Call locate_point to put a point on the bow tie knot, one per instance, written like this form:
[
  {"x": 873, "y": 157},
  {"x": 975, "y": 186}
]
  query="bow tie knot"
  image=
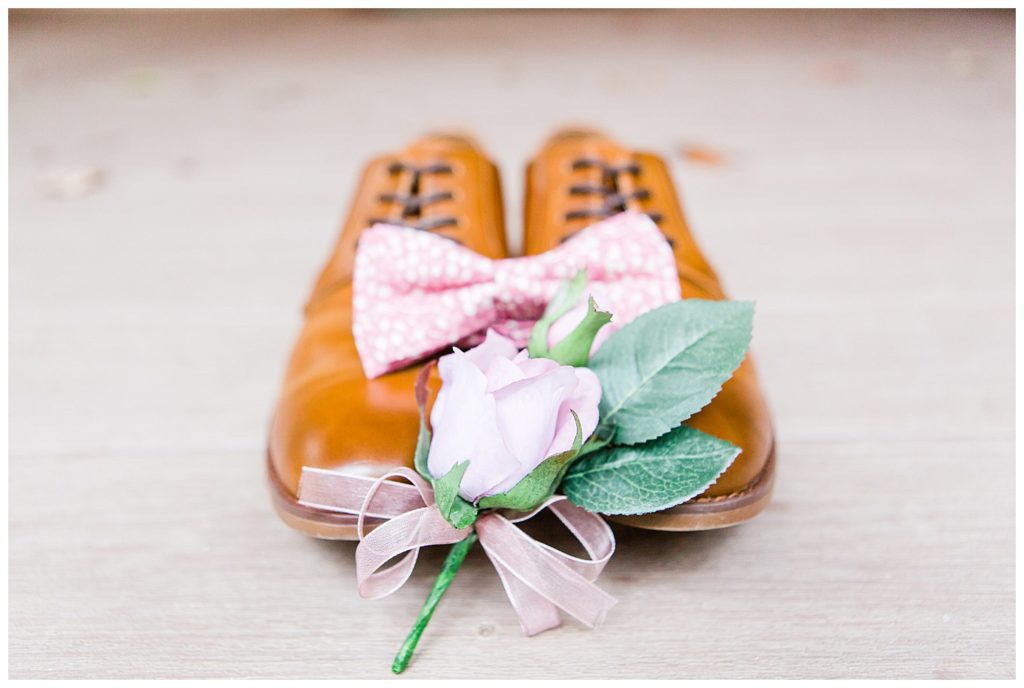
[{"x": 415, "y": 294}]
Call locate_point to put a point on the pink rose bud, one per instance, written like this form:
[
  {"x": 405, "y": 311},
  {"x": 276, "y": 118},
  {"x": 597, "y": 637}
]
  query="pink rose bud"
[
  {"x": 506, "y": 413},
  {"x": 563, "y": 326}
]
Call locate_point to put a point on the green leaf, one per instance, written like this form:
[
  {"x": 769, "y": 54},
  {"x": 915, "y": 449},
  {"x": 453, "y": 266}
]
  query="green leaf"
[
  {"x": 454, "y": 508},
  {"x": 567, "y": 296},
  {"x": 574, "y": 350},
  {"x": 419, "y": 458},
  {"x": 540, "y": 483},
  {"x": 595, "y": 442},
  {"x": 655, "y": 475},
  {"x": 666, "y": 365}
]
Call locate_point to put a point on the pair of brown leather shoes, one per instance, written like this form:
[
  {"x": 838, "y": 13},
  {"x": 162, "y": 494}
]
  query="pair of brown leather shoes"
[{"x": 331, "y": 416}]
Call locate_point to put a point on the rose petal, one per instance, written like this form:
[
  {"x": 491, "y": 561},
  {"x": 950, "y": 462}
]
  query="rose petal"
[
  {"x": 563, "y": 327},
  {"x": 527, "y": 413},
  {"x": 466, "y": 429},
  {"x": 532, "y": 367},
  {"x": 494, "y": 346},
  {"x": 584, "y": 400},
  {"x": 501, "y": 373}
]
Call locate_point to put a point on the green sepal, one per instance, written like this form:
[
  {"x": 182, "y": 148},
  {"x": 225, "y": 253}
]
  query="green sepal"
[
  {"x": 567, "y": 296},
  {"x": 454, "y": 508},
  {"x": 574, "y": 350},
  {"x": 648, "y": 477},
  {"x": 601, "y": 438},
  {"x": 419, "y": 458},
  {"x": 540, "y": 483}
]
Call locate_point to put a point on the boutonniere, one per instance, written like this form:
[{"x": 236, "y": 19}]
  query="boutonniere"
[{"x": 586, "y": 420}]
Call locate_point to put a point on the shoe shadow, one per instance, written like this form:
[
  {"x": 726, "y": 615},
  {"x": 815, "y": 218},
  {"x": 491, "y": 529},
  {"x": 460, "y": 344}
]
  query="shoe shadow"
[{"x": 639, "y": 551}]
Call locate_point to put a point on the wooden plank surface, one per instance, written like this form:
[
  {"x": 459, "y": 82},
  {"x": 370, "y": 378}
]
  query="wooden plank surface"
[{"x": 177, "y": 177}]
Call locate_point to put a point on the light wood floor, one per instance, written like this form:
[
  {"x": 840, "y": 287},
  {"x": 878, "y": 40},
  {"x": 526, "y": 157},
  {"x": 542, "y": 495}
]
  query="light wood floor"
[{"x": 177, "y": 178}]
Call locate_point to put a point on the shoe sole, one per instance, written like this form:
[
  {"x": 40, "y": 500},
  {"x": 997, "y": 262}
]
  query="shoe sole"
[{"x": 702, "y": 513}]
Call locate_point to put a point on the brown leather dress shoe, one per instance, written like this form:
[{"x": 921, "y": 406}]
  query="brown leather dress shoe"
[
  {"x": 580, "y": 177},
  {"x": 329, "y": 414}
]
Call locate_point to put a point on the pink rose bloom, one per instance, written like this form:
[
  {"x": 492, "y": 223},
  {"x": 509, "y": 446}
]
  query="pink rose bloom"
[{"x": 506, "y": 413}]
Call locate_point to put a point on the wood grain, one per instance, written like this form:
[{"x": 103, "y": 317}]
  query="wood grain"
[{"x": 861, "y": 190}]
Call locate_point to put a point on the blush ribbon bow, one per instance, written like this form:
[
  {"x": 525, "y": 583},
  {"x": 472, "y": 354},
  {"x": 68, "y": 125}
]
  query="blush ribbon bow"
[
  {"x": 415, "y": 293},
  {"x": 538, "y": 579}
]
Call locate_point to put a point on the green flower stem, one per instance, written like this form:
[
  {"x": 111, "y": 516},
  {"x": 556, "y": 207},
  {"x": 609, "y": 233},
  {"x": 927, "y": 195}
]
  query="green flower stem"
[{"x": 451, "y": 565}]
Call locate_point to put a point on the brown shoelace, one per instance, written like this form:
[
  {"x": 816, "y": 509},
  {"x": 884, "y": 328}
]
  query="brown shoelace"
[
  {"x": 414, "y": 201},
  {"x": 613, "y": 199}
]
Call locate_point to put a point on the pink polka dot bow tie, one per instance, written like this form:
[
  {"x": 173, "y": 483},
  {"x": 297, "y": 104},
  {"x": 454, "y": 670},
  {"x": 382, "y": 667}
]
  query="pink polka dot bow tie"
[{"x": 416, "y": 294}]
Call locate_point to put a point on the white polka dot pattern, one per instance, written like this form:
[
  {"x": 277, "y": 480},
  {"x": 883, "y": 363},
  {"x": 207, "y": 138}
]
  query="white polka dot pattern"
[{"x": 416, "y": 294}]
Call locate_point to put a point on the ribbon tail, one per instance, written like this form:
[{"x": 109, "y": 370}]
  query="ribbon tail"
[
  {"x": 536, "y": 614},
  {"x": 543, "y": 574}
]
